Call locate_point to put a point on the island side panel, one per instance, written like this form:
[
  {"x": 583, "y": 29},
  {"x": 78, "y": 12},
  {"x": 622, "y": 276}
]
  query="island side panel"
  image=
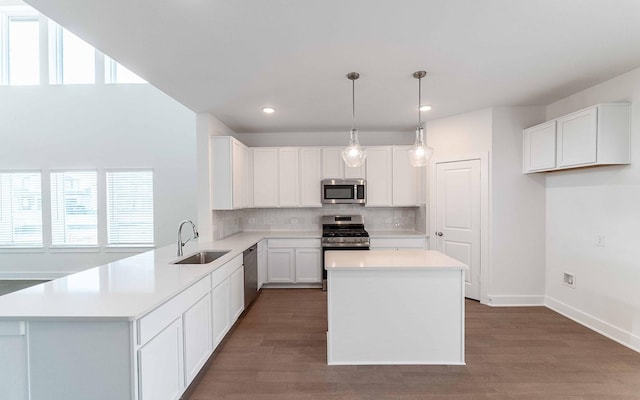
[
  {"x": 13, "y": 360},
  {"x": 80, "y": 360},
  {"x": 396, "y": 316}
]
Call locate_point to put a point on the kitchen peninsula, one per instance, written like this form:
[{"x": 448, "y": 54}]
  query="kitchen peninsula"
[{"x": 394, "y": 307}]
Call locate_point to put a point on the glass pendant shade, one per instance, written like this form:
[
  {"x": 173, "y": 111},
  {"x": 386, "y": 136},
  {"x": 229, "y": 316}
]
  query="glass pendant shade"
[
  {"x": 354, "y": 155},
  {"x": 419, "y": 153}
]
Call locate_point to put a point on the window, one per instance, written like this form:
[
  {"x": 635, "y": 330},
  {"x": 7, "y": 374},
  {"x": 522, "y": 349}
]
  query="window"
[
  {"x": 72, "y": 60},
  {"x": 20, "y": 209},
  {"x": 129, "y": 208},
  {"x": 20, "y": 47},
  {"x": 116, "y": 73},
  {"x": 74, "y": 216}
]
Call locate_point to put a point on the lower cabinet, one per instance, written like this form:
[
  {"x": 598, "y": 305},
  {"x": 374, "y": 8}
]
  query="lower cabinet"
[
  {"x": 221, "y": 295},
  {"x": 197, "y": 337},
  {"x": 294, "y": 261},
  {"x": 236, "y": 296},
  {"x": 160, "y": 365}
]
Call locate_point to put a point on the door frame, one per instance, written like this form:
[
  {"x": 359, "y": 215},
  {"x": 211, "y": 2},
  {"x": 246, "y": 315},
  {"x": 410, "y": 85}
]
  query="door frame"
[{"x": 483, "y": 157}]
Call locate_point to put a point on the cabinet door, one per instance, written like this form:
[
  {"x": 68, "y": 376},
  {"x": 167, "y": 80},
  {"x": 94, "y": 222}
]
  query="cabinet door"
[
  {"x": 236, "y": 296},
  {"x": 405, "y": 178},
  {"x": 160, "y": 365},
  {"x": 265, "y": 177},
  {"x": 237, "y": 170},
  {"x": 280, "y": 265},
  {"x": 577, "y": 138},
  {"x": 310, "y": 177},
  {"x": 288, "y": 177},
  {"x": 379, "y": 177},
  {"x": 539, "y": 144},
  {"x": 197, "y": 337},
  {"x": 354, "y": 172},
  {"x": 247, "y": 178},
  {"x": 308, "y": 268},
  {"x": 220, "y": 305},
  {"x": 332, "y": 163},
  {"x": 221, "y": 173}
]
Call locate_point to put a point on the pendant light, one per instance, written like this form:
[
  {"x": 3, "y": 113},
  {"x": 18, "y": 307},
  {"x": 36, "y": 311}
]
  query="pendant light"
[
  {"x": 353, "y": 155},
  {"x": 419, "y": 152}
]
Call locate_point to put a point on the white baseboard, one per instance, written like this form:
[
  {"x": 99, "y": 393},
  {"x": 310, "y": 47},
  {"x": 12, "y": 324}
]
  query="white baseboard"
[
  {"x": 34, "y": 275},
  {"x": 515, "y": 300},
  {"x": 621, "y": 336}
]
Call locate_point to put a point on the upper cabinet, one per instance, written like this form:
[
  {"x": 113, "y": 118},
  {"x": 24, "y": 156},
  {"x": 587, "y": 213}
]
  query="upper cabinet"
[
  {"x": 597, "y": 135},
  {"x": 231, "y": 183},
  {"x": 267, "y": 177},
  {"x": 333, "y": 166}
]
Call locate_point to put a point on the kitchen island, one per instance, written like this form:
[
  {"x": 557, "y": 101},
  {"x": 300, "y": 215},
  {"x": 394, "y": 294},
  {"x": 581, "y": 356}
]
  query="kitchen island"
[{"x": 394, "y": 307}]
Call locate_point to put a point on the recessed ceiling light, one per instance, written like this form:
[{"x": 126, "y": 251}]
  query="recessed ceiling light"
[
  {"x": 268, "y": 110},
  {"x": 425, "y": 108}
]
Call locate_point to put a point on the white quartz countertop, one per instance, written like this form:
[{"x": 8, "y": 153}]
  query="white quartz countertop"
[
  {"x": 129, "y": 288},
  {"x": 397, "y": 234},
  {"x": 408, "y": 259}
]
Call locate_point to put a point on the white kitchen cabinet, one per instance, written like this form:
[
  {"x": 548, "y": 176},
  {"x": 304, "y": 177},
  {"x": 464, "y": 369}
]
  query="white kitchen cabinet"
[
  {"x": 598, "y": 135},
  {"x": 539, "y": 144},
  {"x": 406, "y": 184},
  {"x": 310, "y": 176},
  {"x": 236, "y": 295},
  {"x": 229, "y": 179},
  {"x": 379, "y": 176},
  {"x": 294, "y": 261},
  {"x": 227, "y": 297},
  {"x": 197, "y": 337},
  {"x": 281, "y": 265},
  {"x": 160, "y": 365},
  {"x": 308, "y": 265},
  {"x": 247, "y": 178},
  {"x": 288, "y": 185},
  {"x": 333, "y": 166},
  {"x": 265, "y": 177}
]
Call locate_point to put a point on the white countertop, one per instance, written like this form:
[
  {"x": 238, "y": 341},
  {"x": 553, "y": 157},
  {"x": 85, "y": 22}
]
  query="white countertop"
[
  {"x": 397, "y": 234},
  {"x": 129, "y": 288},
  {"x": 408, "y": 259}
]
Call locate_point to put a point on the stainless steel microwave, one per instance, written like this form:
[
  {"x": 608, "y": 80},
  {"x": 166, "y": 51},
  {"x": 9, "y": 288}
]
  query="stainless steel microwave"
[{"x": 344, "y": 191}]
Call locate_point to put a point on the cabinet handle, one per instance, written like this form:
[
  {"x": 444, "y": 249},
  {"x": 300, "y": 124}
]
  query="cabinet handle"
[{"x": 439, "y": 233}]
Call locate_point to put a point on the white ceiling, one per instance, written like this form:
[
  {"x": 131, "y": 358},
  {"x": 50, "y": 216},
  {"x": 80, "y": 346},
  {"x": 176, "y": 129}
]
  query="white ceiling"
[{"x": 230, "y": 58}]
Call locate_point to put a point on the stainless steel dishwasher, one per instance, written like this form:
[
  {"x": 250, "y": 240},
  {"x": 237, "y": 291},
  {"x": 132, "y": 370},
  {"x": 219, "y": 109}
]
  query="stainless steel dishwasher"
[{"x": 250, "y": 260}]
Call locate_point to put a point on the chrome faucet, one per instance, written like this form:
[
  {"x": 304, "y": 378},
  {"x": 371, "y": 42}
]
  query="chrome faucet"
[{"x": 180, "y": 242}]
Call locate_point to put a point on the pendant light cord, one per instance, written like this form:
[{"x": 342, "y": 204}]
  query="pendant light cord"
[
  {"x": 419, "y": 103},
  {"x": 353, "y": 104}
]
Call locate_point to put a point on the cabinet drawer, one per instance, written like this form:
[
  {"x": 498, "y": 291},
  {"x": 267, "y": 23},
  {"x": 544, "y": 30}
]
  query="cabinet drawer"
[
  {"x": 154, "y": 322},
  {"x": 225, "y": 271},
  {"x": 406, "y": 243},
  {"x": 292, "y": 243}
]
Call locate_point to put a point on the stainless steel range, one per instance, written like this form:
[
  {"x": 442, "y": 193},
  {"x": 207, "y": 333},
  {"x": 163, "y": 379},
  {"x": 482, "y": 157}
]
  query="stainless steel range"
[{"x": 342, "y": 232}]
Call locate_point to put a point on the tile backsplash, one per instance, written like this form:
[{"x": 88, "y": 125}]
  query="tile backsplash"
[{"x": 226, "y": 223}]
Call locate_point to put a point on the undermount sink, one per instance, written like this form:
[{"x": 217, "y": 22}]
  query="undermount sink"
[{"x": 203, "y": 257}]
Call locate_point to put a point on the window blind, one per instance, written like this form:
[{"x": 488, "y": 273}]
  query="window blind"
[
  {"x": 20, "y": 209},
  {"x": 74, "y": 216},
  {"x": 130, "y": 207}
]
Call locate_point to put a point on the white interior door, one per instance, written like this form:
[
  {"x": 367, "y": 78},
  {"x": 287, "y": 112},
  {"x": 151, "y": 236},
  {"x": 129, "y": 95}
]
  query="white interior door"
[{"x": 457, "y": 225}]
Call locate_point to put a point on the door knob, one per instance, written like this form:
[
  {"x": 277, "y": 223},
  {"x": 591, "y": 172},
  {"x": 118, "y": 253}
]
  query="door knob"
[{"x": 439, "y": 233}]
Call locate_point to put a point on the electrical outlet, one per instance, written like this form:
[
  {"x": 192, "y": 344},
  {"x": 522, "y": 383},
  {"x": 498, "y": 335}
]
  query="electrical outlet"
[
  {"x": 252, "y": 220},
  {"x": 294, "y": 221},
  {"x": 388, "y": 220},
  {"x": 569, "y": 279},
  {"x": 600, "y": 240}
]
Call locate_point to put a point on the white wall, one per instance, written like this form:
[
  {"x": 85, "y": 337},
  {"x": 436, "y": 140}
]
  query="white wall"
[
  {"x": 99, "y": 126},
  {"x": 583, "y": 203},
  {"x": 517, "y": 213},
  {"x": 514, "y": 212}
]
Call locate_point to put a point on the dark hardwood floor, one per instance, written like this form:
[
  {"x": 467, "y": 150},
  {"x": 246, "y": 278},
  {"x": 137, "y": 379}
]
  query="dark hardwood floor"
[{"x": 278, "y": 351}]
